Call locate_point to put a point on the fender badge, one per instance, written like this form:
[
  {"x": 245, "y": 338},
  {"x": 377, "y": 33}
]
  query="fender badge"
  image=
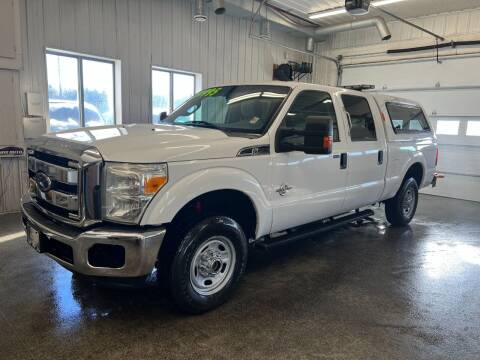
[{"x": 283, "y": 189}]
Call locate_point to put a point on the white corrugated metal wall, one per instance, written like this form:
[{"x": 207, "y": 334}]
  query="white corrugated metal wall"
[
  {"x": 447, "y": 89},
  {"x": 139, "y": 33}
]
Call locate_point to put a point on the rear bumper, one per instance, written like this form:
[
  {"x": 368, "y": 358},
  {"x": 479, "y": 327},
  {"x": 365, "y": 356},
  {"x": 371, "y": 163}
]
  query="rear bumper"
[{"x": 133, "y": 250}]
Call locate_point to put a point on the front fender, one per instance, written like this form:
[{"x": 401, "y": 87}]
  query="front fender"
[{"x": 167, "y": 203}]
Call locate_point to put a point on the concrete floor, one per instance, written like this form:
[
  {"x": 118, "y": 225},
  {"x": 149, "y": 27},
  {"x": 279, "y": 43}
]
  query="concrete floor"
[{"x": 368, "y": 292}]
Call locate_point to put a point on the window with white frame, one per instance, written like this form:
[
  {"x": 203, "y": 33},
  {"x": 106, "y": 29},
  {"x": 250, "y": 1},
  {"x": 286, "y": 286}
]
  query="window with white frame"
[
  {"x": 448, "y": 127},
  {"x": 473, "y": 128},
  {"x": 170, "y": 89},
  {"x": 81, "y": 91}
]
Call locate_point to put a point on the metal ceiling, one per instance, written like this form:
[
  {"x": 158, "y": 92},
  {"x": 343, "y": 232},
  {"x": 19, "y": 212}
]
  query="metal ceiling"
[{"x": 405, "y": 9}]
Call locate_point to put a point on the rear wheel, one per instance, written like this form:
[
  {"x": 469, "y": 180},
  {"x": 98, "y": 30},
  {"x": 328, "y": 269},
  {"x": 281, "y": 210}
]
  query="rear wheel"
[
  {"x": 208, "y": 264},
  {"x": 401, "y": 209}
]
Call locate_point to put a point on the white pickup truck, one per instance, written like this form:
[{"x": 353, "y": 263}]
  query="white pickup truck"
[{"x": 235, "y": 166}]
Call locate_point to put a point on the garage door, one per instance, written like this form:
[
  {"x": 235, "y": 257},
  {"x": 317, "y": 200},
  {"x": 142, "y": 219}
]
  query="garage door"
[{"x": 450, "y": 93}]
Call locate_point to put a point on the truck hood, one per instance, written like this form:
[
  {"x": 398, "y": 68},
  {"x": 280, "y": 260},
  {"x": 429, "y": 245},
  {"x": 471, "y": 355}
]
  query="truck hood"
[{"x": 148, "y": 143}]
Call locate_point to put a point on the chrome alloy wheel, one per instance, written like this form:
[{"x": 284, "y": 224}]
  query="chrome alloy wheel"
[
  {"x": 408, "y": 203},
  {"x": 212, "y": 265}
]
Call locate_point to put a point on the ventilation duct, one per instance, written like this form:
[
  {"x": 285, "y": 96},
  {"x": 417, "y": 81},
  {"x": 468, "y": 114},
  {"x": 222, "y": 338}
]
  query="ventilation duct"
[
  {"x": 310, "y": 44},
  {"x": 265, "y": 32},
  {"x": 200, "y": 13},
  {"x": 378, "y": 22},
  {"x": 219, "y": 7}
]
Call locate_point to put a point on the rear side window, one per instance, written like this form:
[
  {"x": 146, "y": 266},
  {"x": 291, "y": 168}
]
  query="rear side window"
[
  {"x": 407, "y": 119},
  {"x": 361, "y": 118}
]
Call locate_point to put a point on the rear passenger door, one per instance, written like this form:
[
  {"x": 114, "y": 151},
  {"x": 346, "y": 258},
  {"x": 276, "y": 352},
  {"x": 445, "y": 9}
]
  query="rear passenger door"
[{"x": 366, "y": 155}]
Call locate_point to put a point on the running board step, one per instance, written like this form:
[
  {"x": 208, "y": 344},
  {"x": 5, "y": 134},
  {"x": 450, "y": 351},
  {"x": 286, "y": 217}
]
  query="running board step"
[{"x": 313, "y": 229}]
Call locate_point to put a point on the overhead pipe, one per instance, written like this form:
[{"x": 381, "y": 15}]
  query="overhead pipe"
[
  {"x": 436, "y": 36},
  {"x": 409, "y": 59},
  {"x": 219, "y": 7},
  {"x": 199, "y": 13},
  {"x": 265, "y": 31},
  {"x": 307, "y": 51},
  {"x": 377, "y": 22},
  {"x": 452, "y": 44},
  {"x": 310, "y": 44},
  {"x": 276, "y": 17},
  {"x": 246, "y": 7},
  {"x": 311, "y": 33}
]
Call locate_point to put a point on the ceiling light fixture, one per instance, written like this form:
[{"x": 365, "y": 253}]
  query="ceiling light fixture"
[
  {"x": 384, "y": 2},
  {"x": 339, "y": 11},
  {"x": 327, "y": 13}
]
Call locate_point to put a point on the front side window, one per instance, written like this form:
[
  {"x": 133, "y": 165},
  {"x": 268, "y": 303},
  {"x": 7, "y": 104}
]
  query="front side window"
[
  {"x": 243, "y": 108},
  {"x": 362, "y": 124},
  {"x": 308, "y": 105},
  {"x": 81, "y": 91},
  {"x": 170, "y": 89},
  {"x": 407, "y": 118}
]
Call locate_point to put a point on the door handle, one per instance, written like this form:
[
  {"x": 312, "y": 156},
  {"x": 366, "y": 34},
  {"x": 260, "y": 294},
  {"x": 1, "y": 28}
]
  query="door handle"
[
  {"x": 380, "y": 157},
  {"x": 343, "y": 161}
]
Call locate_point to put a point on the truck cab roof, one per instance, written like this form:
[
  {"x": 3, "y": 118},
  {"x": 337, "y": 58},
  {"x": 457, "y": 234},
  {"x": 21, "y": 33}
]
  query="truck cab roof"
[{"x": 303, "y": 85}]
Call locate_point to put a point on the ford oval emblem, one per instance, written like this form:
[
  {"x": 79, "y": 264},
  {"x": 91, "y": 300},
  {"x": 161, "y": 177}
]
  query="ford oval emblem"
[{"x": 43, "y": 181}]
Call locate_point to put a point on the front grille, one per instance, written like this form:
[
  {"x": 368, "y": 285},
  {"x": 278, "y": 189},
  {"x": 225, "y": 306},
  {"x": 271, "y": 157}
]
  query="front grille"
[
  {"x": 55, "y": 184},
  {"x": 52, "y": 159}
]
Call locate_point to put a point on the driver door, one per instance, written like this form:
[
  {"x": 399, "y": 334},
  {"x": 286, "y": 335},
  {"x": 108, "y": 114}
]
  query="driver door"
[{"x": 306, "y": 188}]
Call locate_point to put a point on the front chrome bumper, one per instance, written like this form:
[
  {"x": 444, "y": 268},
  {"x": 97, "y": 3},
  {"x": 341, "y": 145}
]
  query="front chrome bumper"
[{"x": 141, "y": 246}]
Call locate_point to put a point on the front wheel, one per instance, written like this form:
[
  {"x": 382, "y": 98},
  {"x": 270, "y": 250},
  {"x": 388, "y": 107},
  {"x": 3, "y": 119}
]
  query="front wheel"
[
  {"x": 401, "y": 209},
  {"x": 208, "y": 264}
]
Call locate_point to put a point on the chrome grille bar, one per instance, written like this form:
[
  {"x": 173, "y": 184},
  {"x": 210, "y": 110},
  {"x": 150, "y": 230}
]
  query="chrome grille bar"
[
  {"x": 57, "y": 198},
  {"x": 60, "y": 197},
  {"x": 69, "y": 175},
  {"x": 58, "y": 173}
]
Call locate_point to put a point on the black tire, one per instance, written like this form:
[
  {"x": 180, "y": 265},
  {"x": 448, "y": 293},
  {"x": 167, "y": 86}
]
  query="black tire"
[
  {"x": 401, "y": 209},
  {"x": 197, "y": 245}
]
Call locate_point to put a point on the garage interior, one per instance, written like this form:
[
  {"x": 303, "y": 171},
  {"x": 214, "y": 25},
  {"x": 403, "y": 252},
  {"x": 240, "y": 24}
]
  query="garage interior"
[{"x": 361, "y": 291}]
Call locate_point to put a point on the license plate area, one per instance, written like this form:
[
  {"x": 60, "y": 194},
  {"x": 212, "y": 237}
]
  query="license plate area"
[
  {"x": 35, "y": 238},
  {"x": 43, "y": 244}
]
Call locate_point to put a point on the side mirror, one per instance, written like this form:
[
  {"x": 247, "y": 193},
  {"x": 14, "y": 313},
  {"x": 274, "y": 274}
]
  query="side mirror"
[
  {"x": 163, "y": 115},
  {"x": 317, "y": 137}
]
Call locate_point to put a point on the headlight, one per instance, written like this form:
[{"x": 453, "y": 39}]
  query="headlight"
[{"x": 129, "y": 188}]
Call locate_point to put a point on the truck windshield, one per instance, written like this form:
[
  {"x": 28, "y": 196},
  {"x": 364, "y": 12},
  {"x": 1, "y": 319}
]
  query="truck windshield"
[{"x": 242, "y": 108}]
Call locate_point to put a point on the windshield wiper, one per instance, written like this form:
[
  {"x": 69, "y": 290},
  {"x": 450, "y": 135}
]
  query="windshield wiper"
[{"x": 201, "y": 124}]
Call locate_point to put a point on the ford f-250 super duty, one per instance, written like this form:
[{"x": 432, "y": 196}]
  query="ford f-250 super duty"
[{"x": 232, "y": 167}]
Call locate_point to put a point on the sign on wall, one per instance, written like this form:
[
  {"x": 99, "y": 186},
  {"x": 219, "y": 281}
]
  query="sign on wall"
[{"x": 11, "y": 151}]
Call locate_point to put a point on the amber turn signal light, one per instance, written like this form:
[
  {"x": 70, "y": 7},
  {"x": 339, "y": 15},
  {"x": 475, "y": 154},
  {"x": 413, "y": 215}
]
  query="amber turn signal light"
[
  {"x": 327, "y": 142},
  {"x": 153, "y": 184}
]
